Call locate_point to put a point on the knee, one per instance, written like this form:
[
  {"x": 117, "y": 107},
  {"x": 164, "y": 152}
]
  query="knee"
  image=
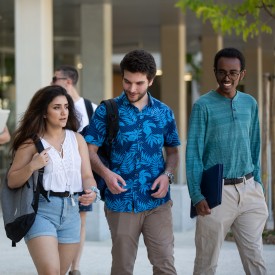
[{"x": 161, "y": 255}]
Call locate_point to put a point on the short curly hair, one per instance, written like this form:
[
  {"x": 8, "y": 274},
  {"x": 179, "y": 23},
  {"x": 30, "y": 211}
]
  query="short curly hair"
[{"x": 139, "y": 61}]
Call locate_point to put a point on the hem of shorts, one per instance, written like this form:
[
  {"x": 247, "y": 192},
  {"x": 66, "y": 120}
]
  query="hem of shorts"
[
  {"x": 39, "y": 235},
  {"x": 66, "y": 242},
  {"x": 61, "y": 241}
]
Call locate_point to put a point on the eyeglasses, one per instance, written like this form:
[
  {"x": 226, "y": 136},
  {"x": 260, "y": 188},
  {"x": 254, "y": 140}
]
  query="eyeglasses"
[
  {"x": 55, "y": 78},
  {"x": 233, "y": 75}
]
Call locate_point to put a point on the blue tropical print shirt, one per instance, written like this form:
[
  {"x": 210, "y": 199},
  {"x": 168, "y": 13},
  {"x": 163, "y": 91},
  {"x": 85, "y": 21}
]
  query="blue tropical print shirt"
[{"x": 137, "y": 151}]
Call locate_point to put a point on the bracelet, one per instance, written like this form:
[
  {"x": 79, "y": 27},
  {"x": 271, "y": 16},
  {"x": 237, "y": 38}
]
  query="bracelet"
[
  {"x": 97, "y": 192},
  {"x": 170, "y": 176}
]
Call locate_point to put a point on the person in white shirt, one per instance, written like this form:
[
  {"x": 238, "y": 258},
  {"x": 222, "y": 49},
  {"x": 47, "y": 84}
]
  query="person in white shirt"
[{"x": 5, "y": 136}]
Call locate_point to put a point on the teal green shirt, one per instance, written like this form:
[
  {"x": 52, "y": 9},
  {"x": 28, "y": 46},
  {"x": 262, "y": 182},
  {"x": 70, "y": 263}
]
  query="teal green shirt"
[{"x": 222, "y": 130}]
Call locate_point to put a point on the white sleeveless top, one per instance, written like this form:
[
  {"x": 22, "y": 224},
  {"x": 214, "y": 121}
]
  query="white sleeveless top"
[{"x": 63, "y": 173}]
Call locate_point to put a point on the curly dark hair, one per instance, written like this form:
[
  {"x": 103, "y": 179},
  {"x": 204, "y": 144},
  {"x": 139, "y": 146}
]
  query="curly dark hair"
[
  {"x": 229, "y": 53},
  {"x": 32, "y": 122},
  {"x": 139, "y": 61}
]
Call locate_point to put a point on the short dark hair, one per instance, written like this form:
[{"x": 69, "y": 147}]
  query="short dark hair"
[
  {"x": 229, "y": 53},
  {"x": 70, "y": 72},
  {"x": 139, "y": 61}
]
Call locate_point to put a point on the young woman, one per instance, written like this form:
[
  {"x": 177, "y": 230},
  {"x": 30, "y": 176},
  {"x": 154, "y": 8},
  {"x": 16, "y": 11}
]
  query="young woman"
[{"x": 54, "y": 237}]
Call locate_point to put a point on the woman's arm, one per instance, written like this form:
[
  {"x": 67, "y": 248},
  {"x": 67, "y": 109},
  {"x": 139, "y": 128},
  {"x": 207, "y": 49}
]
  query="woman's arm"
[{"x": 25, "y": 162}]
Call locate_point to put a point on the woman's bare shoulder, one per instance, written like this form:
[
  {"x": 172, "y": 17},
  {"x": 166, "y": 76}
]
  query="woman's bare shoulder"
[{"x": 27, "y": 145}]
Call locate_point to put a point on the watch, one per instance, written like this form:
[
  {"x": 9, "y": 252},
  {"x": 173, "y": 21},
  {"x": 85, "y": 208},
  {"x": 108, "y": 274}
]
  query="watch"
[
  {"x": 97, "y": 192},
  {"x": 170, "y": 176}
]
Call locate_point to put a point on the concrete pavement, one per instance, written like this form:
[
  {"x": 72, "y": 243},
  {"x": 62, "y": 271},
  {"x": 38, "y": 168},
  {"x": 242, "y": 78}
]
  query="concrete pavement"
[{"x": 96, "y": 259}]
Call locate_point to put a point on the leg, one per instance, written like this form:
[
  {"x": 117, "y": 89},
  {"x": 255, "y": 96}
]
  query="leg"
[
  {"x": 54, "y": 237},
  {"x": 125, "y": 231},
  {"x": 158, "y": 236},
  {"x": 66, "y": 255},
  {"x": 45, "y": 255},
  {"x": 68, "y": 234},
  {"x": 249, "y": 226},
  {"x": 211, "y": 231},
  {"x": 76, "y": 260}
]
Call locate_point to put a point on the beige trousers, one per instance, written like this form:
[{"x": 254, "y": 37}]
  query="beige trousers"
[
  {"x": 157, "y": 229},
  {"x": 244, "y": 210}
]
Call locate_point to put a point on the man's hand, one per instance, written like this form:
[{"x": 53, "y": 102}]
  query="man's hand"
[
  {"x": 112, "y": 180},
  {"x": 203, "y": 208},
  {"x": 161, "y": 184}
]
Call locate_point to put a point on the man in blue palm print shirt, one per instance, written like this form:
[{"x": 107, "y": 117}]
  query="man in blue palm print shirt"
[{"x": 137, "y": 200}]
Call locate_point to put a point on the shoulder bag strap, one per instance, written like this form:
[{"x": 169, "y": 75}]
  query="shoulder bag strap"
[
  {"x": 89, "y": 107},
  {"x": 112, "y": 119},
  {"x": 39, "y": 186}
]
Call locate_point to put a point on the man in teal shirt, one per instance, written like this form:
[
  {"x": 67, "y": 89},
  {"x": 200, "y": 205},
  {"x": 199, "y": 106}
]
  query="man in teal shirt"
[{"x": 224, "y": 128}]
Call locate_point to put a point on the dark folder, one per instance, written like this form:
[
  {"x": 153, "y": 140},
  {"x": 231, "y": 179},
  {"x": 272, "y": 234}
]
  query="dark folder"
[{"x": 211, "y": 187}]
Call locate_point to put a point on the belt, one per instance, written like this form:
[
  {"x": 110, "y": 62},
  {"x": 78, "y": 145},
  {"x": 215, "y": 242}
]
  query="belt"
[
  {"x": 57, "y": 194},
  {"x": 237, "y": 180}
]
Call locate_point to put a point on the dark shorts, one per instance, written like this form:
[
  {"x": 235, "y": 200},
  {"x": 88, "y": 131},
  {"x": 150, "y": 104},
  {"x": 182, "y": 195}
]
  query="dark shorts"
[{"x": 84, "y": 208}]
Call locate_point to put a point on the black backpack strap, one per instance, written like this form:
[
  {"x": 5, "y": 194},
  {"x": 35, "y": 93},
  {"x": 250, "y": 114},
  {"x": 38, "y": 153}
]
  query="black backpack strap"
[
  {"x": 112, "y": 119},
  {"x": 89, "y": 107},
  {"x": 39, "y": 186}
]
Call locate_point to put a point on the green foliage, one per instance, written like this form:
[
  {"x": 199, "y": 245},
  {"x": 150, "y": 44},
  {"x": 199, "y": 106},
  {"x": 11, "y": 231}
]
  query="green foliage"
[
  {"x": 195, "y": 66},
  {"x": 244, "y": 18}
]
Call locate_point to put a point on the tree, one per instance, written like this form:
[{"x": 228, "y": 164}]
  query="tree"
[{"x": 247, "y": 18}]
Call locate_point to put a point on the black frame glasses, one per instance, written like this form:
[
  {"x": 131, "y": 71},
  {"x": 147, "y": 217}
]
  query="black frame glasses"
[
  {"x": 55, "y": 78},
  {"x": 233, "y": 75}
]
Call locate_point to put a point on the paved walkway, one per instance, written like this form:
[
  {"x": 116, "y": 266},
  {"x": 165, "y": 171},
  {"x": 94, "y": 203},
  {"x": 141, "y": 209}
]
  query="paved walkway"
[{"x": 96, "y": 258}]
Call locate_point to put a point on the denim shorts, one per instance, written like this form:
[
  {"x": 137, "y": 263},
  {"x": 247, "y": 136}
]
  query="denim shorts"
[
  {"x": 84, "y": 208},
  {"x": 58, "y": 218}
]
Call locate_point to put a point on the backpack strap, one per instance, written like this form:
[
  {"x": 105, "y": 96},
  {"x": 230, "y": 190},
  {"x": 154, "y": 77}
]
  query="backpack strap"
[
  {"x": 39, "y": 186},
  {"x": 112, "y": 119},
  {"x": 89, "y": 107}
]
